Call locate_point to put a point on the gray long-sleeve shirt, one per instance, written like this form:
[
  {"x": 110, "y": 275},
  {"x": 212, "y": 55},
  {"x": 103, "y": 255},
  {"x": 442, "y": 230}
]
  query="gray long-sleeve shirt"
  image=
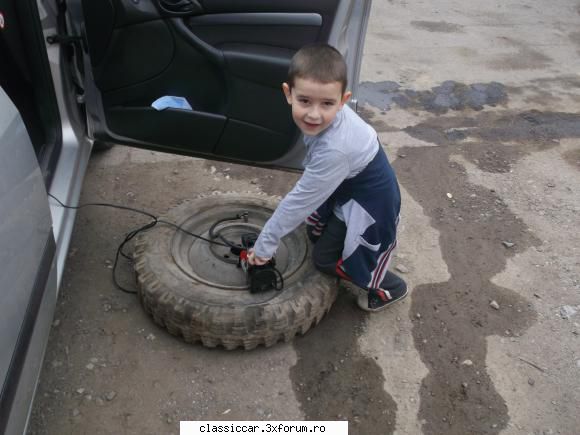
[{"x": 341, "y": 151}]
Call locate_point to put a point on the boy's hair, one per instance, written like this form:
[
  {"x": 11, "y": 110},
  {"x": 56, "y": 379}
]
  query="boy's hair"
[{"x": 319, "y": 62}]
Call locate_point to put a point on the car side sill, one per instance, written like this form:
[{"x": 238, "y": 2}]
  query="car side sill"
[{"x": 13, "y": 385}]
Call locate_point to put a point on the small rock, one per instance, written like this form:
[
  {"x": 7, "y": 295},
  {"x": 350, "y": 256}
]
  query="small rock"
[
  {"x": 531, "y": 382},
  {"x": 254, "y": 181},
  {"x": 75, "y": 412},
  {"x": 227, "y": 177},
  {"x": 450, "y": 196},
  {"x": 493, "y": 426},
  {"x": 94, "y": 360},
  {"x": 81, "y": 390},
  {"x": 227, "y": 411},
  {"x": 88, "y": 397},
  {"x": 464, "y": 386},
  {"x": 150, "y": 337},
  {"x": 402, "y": 268},
  {"x": 567, "y": 311},
  {"x": 494, "y": 305},
  {"x": 402, "y": 155},
  {"x": 508, "y": 244},
  {"x": 56, "y": 323},
  {"x": 467, "y": 363},
  {"x": 90, "y": 366},
  {"x": 175, "y": 172},
  {"x": 111, "y": 396},
  {"x": 107, "y": 307},
  {"x": 212, "y": 170},
  {"x": 551, "y": 185},
  {"x": 418, "y": 315}
]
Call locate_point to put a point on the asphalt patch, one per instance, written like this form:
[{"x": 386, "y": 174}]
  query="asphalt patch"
[
  {"x": 458, "y": 396},
  {"x": 575, "y": 38},
  {"x": 450, "y": 95},
  {"x": 333, "y": 380},
  {"x": 378, "y": 124},
  {"x": 495, "y": 141},
  {"x": 438, "y": 26},
  {"x": 572, "y": 157},
  {"x": 524, "y": 58}
]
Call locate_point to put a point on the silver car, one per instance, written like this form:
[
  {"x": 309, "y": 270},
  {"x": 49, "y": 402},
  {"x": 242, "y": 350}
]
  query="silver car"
[{"x": 194, "y": 77}]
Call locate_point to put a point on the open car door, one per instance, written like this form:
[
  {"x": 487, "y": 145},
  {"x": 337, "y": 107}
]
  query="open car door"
[{"x": 225, "y": 58}]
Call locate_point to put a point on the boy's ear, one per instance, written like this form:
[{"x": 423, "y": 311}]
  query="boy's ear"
[
  {"x": 287, "y": 92},
  {"x": 345, "y": 97}
]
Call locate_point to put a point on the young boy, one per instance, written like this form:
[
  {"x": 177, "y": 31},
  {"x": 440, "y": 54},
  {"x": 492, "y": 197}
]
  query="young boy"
[{"x": 348, "y": 191}]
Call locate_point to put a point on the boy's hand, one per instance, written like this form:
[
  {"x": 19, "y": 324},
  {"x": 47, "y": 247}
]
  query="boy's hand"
[{"x": 254, "y": 260}]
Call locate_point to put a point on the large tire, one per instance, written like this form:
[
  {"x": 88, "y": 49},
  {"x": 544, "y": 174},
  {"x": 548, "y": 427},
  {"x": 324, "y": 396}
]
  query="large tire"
[{"x": 216, "y": 316}]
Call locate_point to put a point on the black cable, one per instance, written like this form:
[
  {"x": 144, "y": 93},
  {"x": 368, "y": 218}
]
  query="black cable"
[
  {"x": 136, "y": 210},
  {"x": 213, "y": 236},
  {"x": 129, "y": 236}
]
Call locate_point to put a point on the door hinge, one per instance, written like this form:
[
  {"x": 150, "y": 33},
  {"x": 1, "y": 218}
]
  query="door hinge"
[{"x": 63, "y": 39}]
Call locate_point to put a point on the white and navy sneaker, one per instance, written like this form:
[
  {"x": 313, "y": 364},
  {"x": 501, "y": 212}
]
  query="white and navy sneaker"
[{"x": 393, "y": 289}]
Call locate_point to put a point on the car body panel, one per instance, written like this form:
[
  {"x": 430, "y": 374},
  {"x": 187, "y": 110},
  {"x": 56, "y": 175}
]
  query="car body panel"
[
  {"x": 69, "y": 171},
  {"x": 28, "y": 276},
  {"x": 34, "y": 234}
]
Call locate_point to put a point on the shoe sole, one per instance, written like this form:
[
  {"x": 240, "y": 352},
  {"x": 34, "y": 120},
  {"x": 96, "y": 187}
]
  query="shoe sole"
[{"x": 376, "y": 310}]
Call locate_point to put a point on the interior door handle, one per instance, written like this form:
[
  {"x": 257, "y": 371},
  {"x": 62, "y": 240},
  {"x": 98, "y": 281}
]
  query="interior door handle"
[{"x": 180, "y": 7}]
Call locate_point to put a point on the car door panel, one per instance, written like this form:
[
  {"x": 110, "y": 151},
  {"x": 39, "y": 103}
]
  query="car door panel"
[
  {"x": 175, "y": 127},
  {"x": 28, "y": 262},
  {"x": 123, "y": 63},
  {"x": 226, "y": 58}
]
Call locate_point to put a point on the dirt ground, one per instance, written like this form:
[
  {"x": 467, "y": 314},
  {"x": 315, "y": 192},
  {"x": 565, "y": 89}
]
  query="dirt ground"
[{"x": 478, "y": 106}]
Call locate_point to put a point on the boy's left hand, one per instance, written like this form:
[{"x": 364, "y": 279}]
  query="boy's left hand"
[{"x": 254, "y": 260}]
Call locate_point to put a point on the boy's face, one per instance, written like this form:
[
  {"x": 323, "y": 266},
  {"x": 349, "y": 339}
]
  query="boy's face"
[{"x": 314, "y": 104}]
